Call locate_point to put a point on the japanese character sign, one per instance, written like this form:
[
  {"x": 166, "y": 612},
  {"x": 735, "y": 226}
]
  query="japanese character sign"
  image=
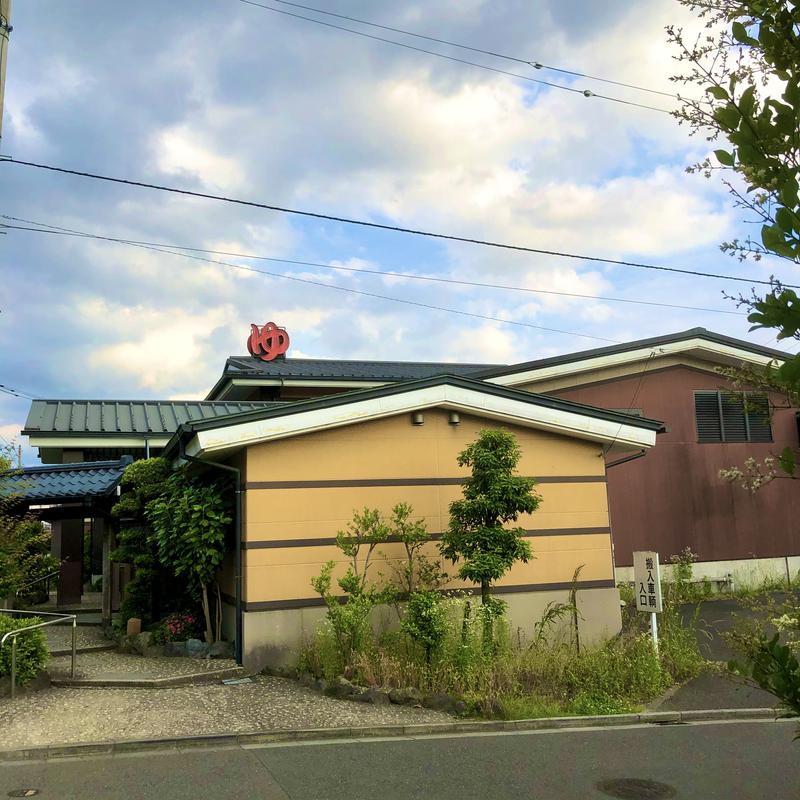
[
  {"x": 268, "y": 342},
  {"x": 647, "y": 581}
]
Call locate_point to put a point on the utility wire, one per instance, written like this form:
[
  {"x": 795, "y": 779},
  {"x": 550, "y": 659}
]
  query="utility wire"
[
  {"x": 584, "y": 92},
  {"x": 504, "y": 56},
  {"x": 354, "y": 291},
  {"x": 16, "y": 392},
  {"x": 56, "y": 229},
  {"x": 632, "y": 403},
  {"x": 381, "y": 226}
]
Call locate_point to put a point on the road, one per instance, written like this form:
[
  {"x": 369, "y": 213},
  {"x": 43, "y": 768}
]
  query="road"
[{"x": 745, "y": 760}]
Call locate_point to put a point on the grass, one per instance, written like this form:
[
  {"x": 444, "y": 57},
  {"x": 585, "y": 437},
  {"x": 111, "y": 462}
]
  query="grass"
[{"x": 523, "y": 676}]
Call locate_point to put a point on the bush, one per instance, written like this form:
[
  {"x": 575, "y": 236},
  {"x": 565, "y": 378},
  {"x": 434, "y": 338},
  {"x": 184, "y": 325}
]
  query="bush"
[
  {"x": 177, "y": 627},
  {"x": 32, "y": 652}
]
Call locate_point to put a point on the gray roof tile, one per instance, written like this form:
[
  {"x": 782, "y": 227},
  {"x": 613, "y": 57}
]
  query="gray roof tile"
[
  {"x": 239, "y": 366},
  {"x": 152, "y": 417},
  {"x": 63, "y": 481}
]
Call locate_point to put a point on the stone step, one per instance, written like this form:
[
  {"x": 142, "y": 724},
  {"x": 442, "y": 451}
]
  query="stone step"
[
  {"x": 92, "y": 648},
  {"x": 134, "y": 680}
]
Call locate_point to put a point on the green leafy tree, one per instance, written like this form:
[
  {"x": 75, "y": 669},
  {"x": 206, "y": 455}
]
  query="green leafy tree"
[
  {"x": 350, "y": 618},
  {"x": 190, "y": 519},
  {"x": 744, "y": 71},
  {"x": 773, "y": 667},
  {"x": 417, "y": 571},
  {"x": 425, "y": 621},
  {"x": 494, "y": 496},
  {"x": 24, "y": 544},
  {"x": 147, "y": 592}
]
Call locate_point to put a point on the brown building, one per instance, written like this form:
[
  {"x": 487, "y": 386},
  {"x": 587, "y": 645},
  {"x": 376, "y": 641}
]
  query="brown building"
[{"x": 313, "y": 440}]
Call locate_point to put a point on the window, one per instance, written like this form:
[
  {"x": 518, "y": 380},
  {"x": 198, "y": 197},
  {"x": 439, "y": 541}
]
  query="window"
[{"x": 732, "y": 417}]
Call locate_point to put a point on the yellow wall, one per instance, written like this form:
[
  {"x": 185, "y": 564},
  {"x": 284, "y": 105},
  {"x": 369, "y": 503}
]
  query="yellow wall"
[{"x": 394, "y": 449}]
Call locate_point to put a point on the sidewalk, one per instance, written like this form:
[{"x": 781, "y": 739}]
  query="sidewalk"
[{"x": 67, "y": 715}]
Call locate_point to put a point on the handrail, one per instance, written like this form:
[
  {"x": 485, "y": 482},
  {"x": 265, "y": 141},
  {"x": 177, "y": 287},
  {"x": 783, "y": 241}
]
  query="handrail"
[
  {"x": 38, "y": 580},
  {"x": 13, "y": 635}
]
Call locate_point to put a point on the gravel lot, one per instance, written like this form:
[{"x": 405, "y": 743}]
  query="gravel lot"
[{"x": 66, "y": 715}]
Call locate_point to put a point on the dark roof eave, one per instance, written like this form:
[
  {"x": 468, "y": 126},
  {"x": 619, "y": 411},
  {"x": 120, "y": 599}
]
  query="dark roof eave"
[
  {"x": 597, "y": 352},
  {"x": 186, "y": 430}
]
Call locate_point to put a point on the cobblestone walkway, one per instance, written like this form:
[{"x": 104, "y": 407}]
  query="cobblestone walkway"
[
  {"x": 59, "y": 637},
  {"x": 97, "y": 665},
  {"x": 66, "y": 715}
]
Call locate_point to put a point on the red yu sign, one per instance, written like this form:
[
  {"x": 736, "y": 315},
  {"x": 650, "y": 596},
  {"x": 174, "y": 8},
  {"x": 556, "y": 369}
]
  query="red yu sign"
[{"x": 268, "y": 342}]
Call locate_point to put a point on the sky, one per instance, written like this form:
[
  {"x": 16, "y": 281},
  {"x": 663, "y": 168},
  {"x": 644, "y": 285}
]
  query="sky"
[{"x": 222, "y": 97}]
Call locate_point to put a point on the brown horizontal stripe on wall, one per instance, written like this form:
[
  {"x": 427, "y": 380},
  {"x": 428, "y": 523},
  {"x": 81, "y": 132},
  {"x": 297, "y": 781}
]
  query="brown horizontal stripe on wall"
[
  {"x": 268, "y": 544},
  {"x": 372, "y": 482},
  {"x": 315, "y": 602}
]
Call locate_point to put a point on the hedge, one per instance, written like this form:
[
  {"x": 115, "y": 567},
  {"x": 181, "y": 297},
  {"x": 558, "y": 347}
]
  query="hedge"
[{"x": 32, "y": 651}]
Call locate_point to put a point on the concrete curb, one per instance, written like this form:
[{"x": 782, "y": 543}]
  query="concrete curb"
[
  {"x": 101, "y": 682},
  {"x": 92, "y": 648},
  {"x": 423, "y": 729}
]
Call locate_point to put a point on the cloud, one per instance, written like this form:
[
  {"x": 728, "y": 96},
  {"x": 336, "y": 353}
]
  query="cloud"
[{"x": 325, "y": 121}]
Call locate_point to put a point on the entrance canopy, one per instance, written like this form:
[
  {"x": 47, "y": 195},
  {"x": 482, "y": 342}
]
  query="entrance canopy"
[{"x": 63, "y": 483}]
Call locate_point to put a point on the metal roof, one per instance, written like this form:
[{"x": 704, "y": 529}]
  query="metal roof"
[
  {"x": 655, "y": 341},
  {"x": 121, "y": 417},
  {"x": 342, "y": 370},
  {"x": 59, "y": 482},
  {"x": 344, "y": 398}
]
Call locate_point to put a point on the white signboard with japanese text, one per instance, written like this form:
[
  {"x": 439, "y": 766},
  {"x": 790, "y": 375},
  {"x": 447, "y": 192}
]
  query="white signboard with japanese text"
[{"x": 647, "y": 581}]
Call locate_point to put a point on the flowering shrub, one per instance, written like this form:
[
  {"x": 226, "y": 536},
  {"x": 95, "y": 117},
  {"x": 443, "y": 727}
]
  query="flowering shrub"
[{"x": 177, "y": 628}]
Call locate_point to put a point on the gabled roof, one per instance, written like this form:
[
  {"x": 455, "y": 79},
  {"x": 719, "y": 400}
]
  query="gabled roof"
[
  {"x": 123, "y": 417},
  {"x": 283, "y": 370},
  {"x": 446, "y": 391},
  {"x": 60, "y": 482},
  {"x": 711, "y": 345}
]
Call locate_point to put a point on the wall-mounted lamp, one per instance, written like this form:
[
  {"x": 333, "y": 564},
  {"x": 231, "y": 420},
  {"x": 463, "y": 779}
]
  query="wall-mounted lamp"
[
  {"x": 417, "y": 418},
  {"x": 455, "y": 418}
]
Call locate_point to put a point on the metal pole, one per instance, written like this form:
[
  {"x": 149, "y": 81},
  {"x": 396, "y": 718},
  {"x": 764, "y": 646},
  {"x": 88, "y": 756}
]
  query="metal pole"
[
  {"x": 5, "y": 30},
  {"x": 74, "y": 630},
  {"x": 654, "y": 630},
  {"x": 13, "y": 665}
]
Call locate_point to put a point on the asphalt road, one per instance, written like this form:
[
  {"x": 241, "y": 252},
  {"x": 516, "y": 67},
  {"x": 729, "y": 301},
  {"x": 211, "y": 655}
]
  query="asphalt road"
[{"x": 742, "y": 760}]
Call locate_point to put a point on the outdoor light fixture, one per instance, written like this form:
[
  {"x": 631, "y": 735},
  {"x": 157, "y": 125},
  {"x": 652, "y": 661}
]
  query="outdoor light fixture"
[
  {"x": 455, "y": 418},
  {"x": 417, "y": 418}
]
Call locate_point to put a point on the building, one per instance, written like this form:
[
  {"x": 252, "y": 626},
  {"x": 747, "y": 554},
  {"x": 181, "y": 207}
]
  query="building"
[{"x": 314, "y": 439}]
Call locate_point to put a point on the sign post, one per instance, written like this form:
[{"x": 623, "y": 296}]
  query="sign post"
[{"x": 647, "y": 585}]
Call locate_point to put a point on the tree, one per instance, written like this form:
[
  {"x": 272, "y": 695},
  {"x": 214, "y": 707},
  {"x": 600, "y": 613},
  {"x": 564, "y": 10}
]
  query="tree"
[
  {"x": 746, "y": 66},
  {"x": 350, "y": 620},
  {"x": 493, "y": 497},
  {"x": 24, "y": 543},
  {"x": 142, "y": 482},
  {"x": 190, "y": 519},
  {"x": 417, "y": 571}
]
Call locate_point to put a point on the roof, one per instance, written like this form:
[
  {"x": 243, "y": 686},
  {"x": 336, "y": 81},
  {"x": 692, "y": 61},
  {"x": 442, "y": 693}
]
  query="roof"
[
  {"x": 638, "y": 344},
  {"x": 121, "y": 417},
  {"x": 60, "y": 482},
  {"x": 315, "y": 369},
  {"x": 381, "y": 394}
]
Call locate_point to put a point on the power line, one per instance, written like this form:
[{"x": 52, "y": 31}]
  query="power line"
[
  {"x": 584, "y": 92},
  {"x": 59, "y": 230},
  {"x": 352, "y": 291},
  {"x": 381, "y": 226},
  {"x": 16, "y": 392},
  {"x": 504, "y": 56}
]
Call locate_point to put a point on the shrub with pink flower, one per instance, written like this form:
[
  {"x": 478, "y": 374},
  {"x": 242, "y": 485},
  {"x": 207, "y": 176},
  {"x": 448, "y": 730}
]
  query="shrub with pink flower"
[{"x": 178, "y": 627}]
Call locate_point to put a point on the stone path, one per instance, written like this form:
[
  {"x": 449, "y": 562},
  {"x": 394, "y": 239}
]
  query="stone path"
[
  {"x": 66, "y": 715},
  {"x": 59, "y": 638},
  {"x": 101, "y": 665}
]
